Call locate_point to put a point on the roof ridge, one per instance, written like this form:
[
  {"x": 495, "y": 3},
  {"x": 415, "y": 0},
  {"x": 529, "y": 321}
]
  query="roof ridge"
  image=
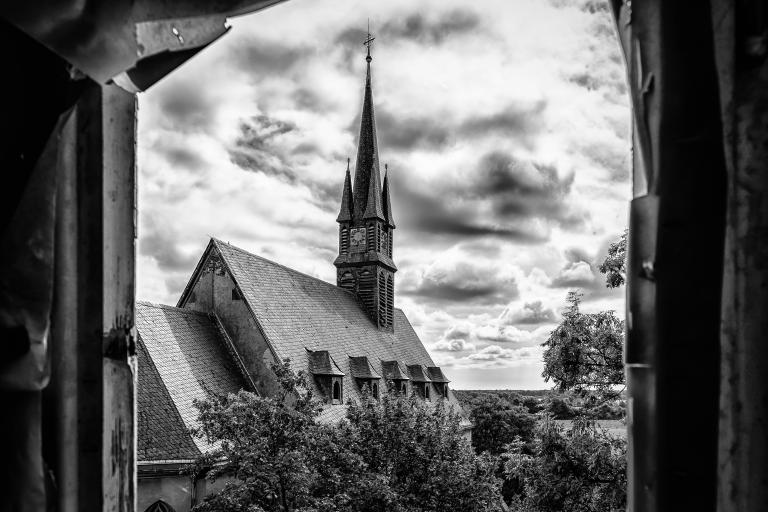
[
  {"x": 166, "y": 306},
  {"x": 289, "y": 269}
]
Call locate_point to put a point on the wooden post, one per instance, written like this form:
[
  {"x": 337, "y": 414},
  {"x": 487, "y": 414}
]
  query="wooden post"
[
  {"x": 742, "y": 60},
  {"x": 92, "y": 389},
  {"x": 673, "y": 318}
]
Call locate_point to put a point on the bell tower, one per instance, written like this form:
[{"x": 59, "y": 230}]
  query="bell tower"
[{"x": 364, "y": 265}]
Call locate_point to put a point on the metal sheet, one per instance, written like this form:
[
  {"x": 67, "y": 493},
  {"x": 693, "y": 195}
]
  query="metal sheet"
[{"x": 104, "y": 39}]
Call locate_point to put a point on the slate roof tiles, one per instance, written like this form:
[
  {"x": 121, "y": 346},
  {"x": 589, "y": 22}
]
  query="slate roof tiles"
[{"x": 183, "y": 358}]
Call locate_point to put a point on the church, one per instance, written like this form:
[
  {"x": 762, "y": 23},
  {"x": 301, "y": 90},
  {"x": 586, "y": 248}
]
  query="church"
[{"x": 240, "y": 312}]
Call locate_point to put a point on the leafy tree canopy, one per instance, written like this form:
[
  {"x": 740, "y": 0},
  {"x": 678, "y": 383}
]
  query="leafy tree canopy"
[
  {"x": 615, "y": 264},
  {"x": 497, "y": 422},
  {"x": 396, "y": 454},
  {"x": 582, "y": 469},
  {"x": 585, "y": 352}
]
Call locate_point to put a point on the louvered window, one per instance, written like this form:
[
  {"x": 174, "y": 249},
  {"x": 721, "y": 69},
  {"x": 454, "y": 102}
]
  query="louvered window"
[
  {"x": 347, "y": 281},
  {"x": 383, "y": 313},
  {"x": 390, "y": 299},
  {"x": 371, "y": 238},
  {"x": 344, "y": 241}
]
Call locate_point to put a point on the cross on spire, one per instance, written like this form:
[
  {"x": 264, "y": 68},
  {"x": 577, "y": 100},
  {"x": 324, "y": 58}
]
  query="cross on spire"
[{"x": 368, "y": 41}]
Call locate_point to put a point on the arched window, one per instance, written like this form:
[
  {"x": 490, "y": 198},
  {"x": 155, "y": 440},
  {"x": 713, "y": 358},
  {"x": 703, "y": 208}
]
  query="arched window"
[
  {"x": 336, "y": 391},
  {"x": 375, "y": 390},
  {"x": 160, "y": 506},
  {"x": 426, "y": 391},
  {"x": 404, "y": 387}
]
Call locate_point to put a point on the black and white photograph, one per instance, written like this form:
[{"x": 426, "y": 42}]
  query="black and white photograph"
[{"x": 401, "y": 256}]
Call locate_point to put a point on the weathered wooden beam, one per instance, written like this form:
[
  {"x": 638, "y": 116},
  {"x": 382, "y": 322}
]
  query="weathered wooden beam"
[
  {"x": 742, "y": 60},
  {"x": 676, "y": 292},
  {"x": 92, "y": 391}
]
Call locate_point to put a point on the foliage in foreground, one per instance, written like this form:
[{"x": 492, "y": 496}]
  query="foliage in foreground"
[
  {"x": 581, "y": 469},
  {"x": 397, "y": 454}
]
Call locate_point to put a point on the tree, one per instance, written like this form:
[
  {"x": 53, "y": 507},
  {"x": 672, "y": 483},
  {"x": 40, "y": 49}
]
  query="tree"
[
  {"x": 559, "y": 409},
  {"x": 615, "y": 264},
  {"x": 585, "y": 352},
  {"x": 420, "y": 450},
  {"x": 582, "y": 469},
  {"x": 277, "y": 457},
  {"x": 498, "y": 422},
  {"x": 397, "y": 454}
]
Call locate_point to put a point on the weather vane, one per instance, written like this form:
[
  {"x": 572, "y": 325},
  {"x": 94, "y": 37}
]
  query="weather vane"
[{"x": 368, "y": 41}]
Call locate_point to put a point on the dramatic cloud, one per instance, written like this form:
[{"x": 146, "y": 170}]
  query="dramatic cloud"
[
  {"x": 418, "y": 28},
  {"x": 440, "y": 212},
  {"x": 525, "y": 189},
  {"x": 254, "y": 150},
  {"x": 462, "y": 281},
  {"x": 262, "y": 56},
  {"x": 406, "y": 132},
  {"x": 575, "y": 275},
  {"x": 529, "y": 313},
  {"x": 509, "y": 153},
  {"x": 458, "y": 345}
]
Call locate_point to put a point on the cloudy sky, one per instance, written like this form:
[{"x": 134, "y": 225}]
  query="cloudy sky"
[{"x": 505, "y": 124}]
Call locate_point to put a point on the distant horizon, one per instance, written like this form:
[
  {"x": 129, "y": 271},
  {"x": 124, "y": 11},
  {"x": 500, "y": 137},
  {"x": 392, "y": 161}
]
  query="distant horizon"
[{"x": 509, "y": 156}]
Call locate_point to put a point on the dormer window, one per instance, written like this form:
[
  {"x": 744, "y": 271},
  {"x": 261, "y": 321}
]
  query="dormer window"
[
  {"x": 328, "y": 376},
  {"x": 438, "y": 380},
  {"x": 420, "y": 379},
  {"x": 365, "y": 374},
  {"x": 396, "y": 375}
]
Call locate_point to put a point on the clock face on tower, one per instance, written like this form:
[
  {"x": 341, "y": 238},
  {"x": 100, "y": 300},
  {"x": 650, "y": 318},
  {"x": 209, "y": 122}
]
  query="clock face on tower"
[{"x": 357, "y": 240}]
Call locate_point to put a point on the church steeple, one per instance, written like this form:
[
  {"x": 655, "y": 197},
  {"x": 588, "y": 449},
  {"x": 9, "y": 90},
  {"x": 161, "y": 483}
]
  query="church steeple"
[
  {"x": 364, "y": 265},
  {"x": 367, "y": 190},
  {"x": 386, "y": 200},
  {"x": 345, "y": 214}
]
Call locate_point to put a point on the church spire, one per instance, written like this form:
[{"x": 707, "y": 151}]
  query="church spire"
[
  {"x": 386, "y": 200},
  {"x": 367, "y": 185},
  {"x": 345, "y": 214}
]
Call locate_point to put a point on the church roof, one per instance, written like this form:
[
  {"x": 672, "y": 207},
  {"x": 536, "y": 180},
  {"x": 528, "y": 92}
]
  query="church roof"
[
  {"x": 162, "y": 434},
  {"x": 300, "y": 315},
  {"x": 182, "y": 356}
]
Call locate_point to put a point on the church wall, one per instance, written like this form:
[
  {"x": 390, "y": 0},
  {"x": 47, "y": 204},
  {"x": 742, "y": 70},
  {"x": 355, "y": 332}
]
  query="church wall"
[{"x": 213, "y": 291}]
